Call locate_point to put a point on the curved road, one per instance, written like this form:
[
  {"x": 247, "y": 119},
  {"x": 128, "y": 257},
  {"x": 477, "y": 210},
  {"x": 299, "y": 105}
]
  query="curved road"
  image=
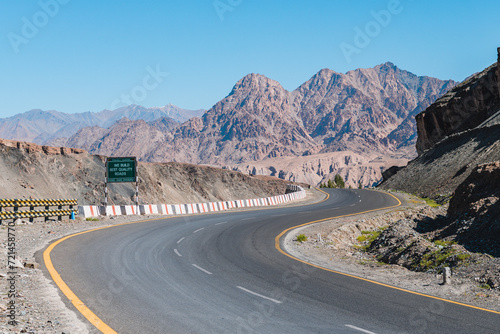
[{"x": 221, "y": 273}]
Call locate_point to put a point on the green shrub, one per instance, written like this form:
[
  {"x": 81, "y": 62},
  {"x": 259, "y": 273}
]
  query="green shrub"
[
  {"x": 92, "y": 219},
  {"x": 368, "y": 237},
  {"x": 362, "y": 238},
  {"x": 430, "y": 202},
  {"x": 434, "y": 259},
  {"x": 339, "y": 181},
  {"x": 463, "y": 256},
  {"x": 444, "y": 243},
  {"x": 301, "y": 237}
]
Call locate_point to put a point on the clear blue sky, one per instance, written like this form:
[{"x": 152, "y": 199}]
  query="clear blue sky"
[{"x": 87, "y": 55}]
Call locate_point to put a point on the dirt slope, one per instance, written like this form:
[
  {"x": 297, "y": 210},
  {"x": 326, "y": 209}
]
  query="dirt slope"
[{"x": 30, "y": 170}]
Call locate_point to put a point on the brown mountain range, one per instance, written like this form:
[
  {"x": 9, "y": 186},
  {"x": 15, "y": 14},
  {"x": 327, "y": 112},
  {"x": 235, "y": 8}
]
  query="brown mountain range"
[{"x": 366, "y": 111}]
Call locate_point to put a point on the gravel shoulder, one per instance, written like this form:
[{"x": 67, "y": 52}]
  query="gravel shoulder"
[
  {"x": 333, "y": 245},
  {"x": 40, "y": 306}
]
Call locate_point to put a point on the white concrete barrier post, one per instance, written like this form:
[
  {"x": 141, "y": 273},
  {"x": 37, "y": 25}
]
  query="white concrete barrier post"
[{"x": 446, "y": 275}]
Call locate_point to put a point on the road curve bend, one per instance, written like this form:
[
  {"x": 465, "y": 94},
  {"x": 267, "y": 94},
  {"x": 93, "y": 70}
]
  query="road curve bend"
[{"x": 227, "y": 273}]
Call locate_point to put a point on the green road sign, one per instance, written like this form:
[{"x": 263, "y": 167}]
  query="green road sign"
[{"x": 121, "y": 169}]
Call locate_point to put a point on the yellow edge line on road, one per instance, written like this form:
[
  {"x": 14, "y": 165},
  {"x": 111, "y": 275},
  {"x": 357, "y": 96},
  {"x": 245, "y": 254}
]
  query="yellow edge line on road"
[
  {"x": 278, "y": 247},
  {"x": 79, "y": 305}
]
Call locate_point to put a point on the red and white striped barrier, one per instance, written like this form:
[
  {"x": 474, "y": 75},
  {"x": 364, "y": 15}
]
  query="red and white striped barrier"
[
  {"x": 87, "y": 211},
  {"x": 192, "y": 208}
]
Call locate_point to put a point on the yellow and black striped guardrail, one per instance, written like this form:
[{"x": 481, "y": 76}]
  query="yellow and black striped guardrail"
[
  {"x": 32, "y": 203},
  {"x": 6, "y": 203},
  {"x": 35, "y": 214}
]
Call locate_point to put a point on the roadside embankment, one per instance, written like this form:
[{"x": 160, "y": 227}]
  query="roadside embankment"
[
  {"x": 32, "y": 171},
  {"x": 402, "y": 247}
]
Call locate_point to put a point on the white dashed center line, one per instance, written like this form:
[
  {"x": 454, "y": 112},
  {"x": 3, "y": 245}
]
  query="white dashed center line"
[
  {"x": 177, "y": 252},
  {"x": 359, "y": 329},
  {"x": 259, "y": 295},
  {"x": 200, "y": 268},
  {"x": 198, "y": 230},
  {"x": 221, "y": 223},
  {"x": 180, "y": 240}
]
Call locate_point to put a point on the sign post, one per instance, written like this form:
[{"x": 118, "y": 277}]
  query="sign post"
[{"x": 118, "y": 170}]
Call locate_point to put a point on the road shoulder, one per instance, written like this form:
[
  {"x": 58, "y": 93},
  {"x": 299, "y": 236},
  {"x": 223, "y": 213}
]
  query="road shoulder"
[{"x": 334, "y": 245}]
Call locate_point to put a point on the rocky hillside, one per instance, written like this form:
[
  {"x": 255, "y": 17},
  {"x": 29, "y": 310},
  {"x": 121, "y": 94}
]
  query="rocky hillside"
[
  {"x": 475, "y": 210},
  {"x": 354, "y": 168},
  {"x": 457, "y": 133},
  {"x": 30, "y": 170},
  {"x": 367, "y": 112},
  {"x": 45, "y": 127},
  {"x": 459, "y": 156}
]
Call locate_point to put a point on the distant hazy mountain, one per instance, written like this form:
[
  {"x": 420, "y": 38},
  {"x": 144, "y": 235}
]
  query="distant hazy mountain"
[{"x": 44, "y": 127}]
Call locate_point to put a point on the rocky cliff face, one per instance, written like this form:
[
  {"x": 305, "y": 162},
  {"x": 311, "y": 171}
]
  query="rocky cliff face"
[
  {"x": 318, "y": 168},
  {"x": 458, "y": 132},
  {"x": 464, "y": 107}
]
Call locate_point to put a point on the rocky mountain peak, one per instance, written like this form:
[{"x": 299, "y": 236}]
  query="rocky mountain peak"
[
  {"x": 256, "y": 83},
  {"x": 325, "y": 73},
  {"x": 387, "y": 66}
]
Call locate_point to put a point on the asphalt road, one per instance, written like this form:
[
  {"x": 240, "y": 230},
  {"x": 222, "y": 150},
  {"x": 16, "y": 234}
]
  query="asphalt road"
[{"x": 221, "y": 273}]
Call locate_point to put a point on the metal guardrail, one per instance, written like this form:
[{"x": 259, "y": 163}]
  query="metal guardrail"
[{"x": 32, "y": 213}]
